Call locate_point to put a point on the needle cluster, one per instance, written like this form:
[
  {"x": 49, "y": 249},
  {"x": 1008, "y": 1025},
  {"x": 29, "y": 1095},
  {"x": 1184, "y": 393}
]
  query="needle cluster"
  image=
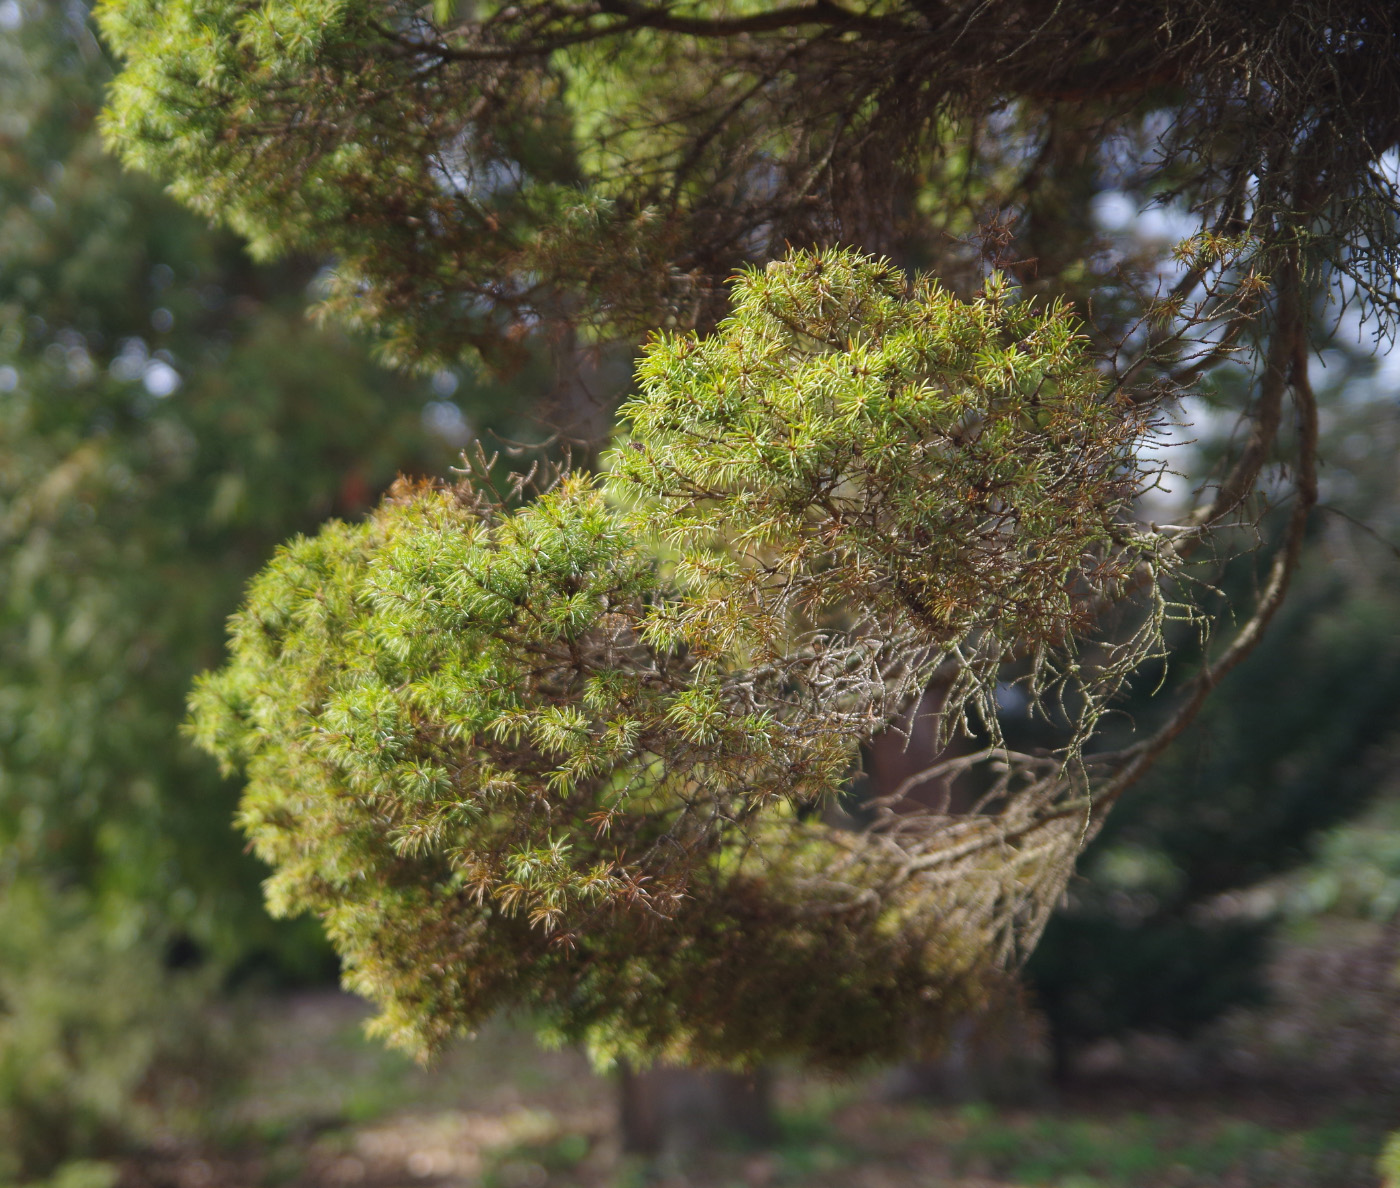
[{"x": 579, "y": 755}]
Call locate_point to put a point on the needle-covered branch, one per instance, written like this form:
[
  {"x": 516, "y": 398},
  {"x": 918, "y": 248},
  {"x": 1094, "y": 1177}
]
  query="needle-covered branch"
[
  {"x": 612, "y": 161},
  {"x": 572, "y": 756}
]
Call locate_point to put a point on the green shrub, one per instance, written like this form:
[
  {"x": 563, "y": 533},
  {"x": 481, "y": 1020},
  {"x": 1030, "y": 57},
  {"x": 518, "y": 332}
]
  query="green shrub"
[{"x": 98, "y": 1042}]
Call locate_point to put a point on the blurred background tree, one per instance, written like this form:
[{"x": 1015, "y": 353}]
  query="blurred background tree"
[
  {"x": 1158, "y": 934},
  {"x": 168, "y": 415}
]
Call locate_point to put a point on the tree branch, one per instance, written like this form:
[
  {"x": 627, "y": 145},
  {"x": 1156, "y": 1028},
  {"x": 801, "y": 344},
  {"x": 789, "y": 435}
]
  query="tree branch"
[
  {"x": 1288, "y": 366},
  {"x": 819, "y": 12}
]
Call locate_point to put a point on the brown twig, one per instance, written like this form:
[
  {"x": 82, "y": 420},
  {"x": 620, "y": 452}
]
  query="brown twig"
[{"x": 1287, "y": 367}]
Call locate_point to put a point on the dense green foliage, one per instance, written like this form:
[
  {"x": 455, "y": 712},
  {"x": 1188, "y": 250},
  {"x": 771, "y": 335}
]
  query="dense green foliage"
[
  {"x": 462, "y": 757},
  {"x": 465, "y": 252},
  {"x": 510, "y": 760},
  {"x": 926, "y": 460},
  {"x": 471, "y": 166}
]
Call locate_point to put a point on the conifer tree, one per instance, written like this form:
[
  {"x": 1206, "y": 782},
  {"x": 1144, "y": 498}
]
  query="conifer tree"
[
  {"x": 565, "y": 755},
  {"x": 602, "y": 168}
]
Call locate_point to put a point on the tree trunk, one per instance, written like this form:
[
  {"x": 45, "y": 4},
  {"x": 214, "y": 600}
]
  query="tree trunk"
[{"x": 678, "y": 1113}]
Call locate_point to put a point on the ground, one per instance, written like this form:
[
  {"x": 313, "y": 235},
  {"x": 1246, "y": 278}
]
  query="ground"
[{"x": 320, "y": 1106}]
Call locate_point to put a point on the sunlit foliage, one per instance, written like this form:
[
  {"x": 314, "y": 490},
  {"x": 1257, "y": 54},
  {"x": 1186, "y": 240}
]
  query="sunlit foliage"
[{"x": 573, "y": 756}]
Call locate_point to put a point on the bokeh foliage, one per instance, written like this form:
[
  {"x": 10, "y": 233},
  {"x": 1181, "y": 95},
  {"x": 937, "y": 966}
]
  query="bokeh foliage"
[{"x": 167, "y": 416}]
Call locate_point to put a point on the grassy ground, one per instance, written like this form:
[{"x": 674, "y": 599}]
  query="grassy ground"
[{"x": 322, "y": 1107}]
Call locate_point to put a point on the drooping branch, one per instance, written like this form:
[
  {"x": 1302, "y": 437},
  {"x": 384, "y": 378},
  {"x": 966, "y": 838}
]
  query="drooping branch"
[
  {"x": 1286, "y": 368},
  {"x": 443, "y": 164},
  {"x": 1264, "y": 420}
]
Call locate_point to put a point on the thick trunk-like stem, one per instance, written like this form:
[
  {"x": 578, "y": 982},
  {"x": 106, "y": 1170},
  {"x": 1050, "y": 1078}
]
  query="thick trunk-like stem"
[{"x": 672, "y": 1113}]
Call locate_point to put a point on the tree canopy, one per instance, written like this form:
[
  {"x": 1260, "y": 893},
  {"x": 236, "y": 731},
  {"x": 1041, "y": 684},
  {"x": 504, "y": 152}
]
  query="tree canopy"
[
  {"x": 855, "y": 486},
  {"x": 470, "y": 166},
  {"x": 567, "y": 755}
]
